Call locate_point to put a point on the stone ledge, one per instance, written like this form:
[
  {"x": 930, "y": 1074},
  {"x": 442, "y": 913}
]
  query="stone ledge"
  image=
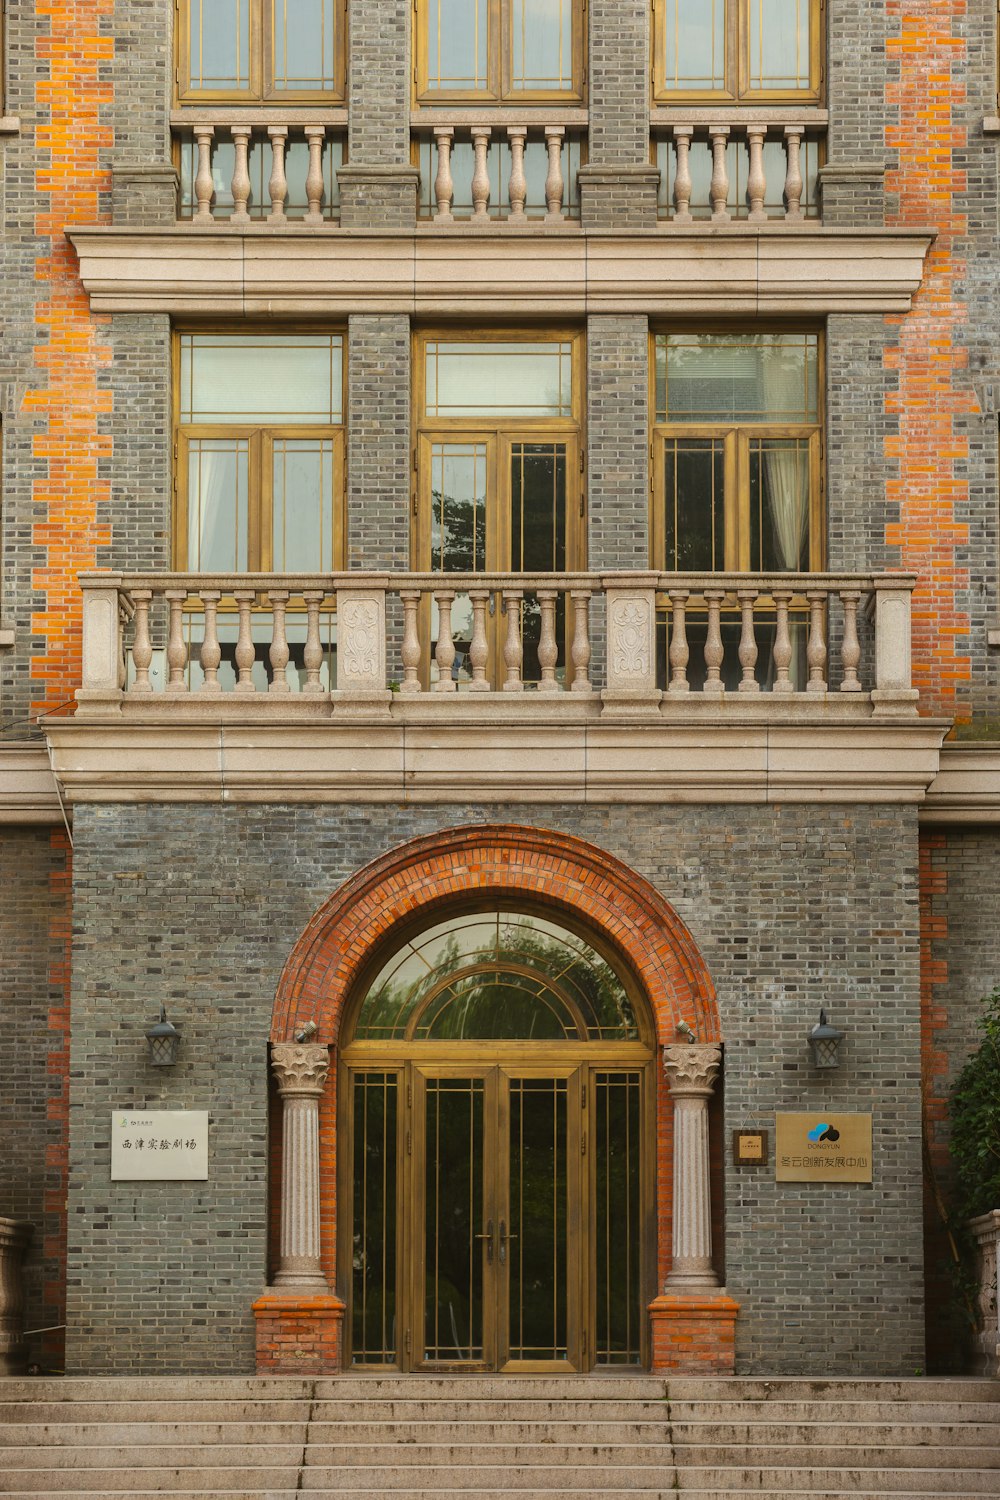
[
  {"x": 10, "y": 125},
  {"x": 27, "y": 789},
  {"x": 698, "y": 760},
  {"x": 966, "y": 788},
  {"x": 735, "y": 269}
]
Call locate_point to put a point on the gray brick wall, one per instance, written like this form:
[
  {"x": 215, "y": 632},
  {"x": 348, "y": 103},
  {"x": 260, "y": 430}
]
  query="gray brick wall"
[
  {"x": 857, "y": 427},
  {"x": 199, "y": 907},
  {"x": 618, "y": 441},
  {"x": 619, "y": 82},
  {"x": 378, "y": 442},
  {"x": 33, "y": 869},
  {"x": 379, "y": 82},
  {"x": 140, "y": 464}
]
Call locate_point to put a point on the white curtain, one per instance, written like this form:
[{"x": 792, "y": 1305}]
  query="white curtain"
[{"x": 786, "y": 461}]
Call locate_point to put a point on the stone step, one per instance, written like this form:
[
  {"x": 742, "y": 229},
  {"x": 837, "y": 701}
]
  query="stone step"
[
  {"x": 587, "y": 1432},
  {"x": 792, "y": 1456},
  {"x": 155, "y": 1411},
  {"x": 96, "y": 1456},
  {"x": 832, "y": 1411},
  {"x": 346, "y": 1411},
  {"x": 514, "y": 1478},
  {"x": 954, "y": 1434},
  {"x": 132, "y": 1434},
  {"x": 163, "y": 1481},
  {"x": 855, "y": 1481},
  {"x": 833, "y": 1456},
  {"x": 333, "y": 1388}
]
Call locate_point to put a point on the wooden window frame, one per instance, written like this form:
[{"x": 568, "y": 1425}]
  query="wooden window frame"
[
  {"x": 262, "y": 89},
  {"x": 736, "y": 438},
  {"x": 737, "y": 90},
  {"x": 499, "y": 90},
  {"x": 260, "y": 437},
  {"x": 497, "y": 433}
]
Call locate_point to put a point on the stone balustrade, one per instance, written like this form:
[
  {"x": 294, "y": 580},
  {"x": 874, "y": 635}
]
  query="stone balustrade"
[
  {"x": 483, "y": 174},
  {"x": 15, "y": 1236},
  {"x": 757, "y": 173},
  {"x": 246, "y": 172},
  {"x": 632, "y": 644},
  {"x": 986, "y": 1234}
]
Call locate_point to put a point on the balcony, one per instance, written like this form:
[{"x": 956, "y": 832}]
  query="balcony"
[{"x": 431, "y": 688}]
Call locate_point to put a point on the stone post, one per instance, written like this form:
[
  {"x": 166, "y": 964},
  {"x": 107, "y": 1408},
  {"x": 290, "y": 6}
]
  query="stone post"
[
  {"x": 691, "y": 1071},
  {"x": 986, "y": 1233},
  {"x": 301, "y": 1073},
  {"x": 14, "y": 1237}
]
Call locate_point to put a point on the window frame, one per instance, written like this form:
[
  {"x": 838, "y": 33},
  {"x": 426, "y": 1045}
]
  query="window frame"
[
  {"x": 499, "y": 63},
  {"x": 260, "y": 437},
  {"x": 261, "y": 90},
  {"x": 736, "y": 90},
  {"x": 736, "y": 438}
]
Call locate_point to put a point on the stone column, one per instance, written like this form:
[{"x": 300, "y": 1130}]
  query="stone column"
[
  {"x": 691, "y": 1070},
  {"x": 301, "y": 1073}
]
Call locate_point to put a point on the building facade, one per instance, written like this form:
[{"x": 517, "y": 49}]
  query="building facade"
[{"x": 501, "y": 598}]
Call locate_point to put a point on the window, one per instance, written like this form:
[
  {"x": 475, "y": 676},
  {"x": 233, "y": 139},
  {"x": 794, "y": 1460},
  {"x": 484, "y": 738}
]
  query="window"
[
  {"x": 499, "y": 462},
  {"x": 737, "y": 459},
  {"x": 740, "y": 50},
  {"x": 261, "y": 49},
  {"x": 260, "y": 461},
  {"x": 499, "y": 49}
]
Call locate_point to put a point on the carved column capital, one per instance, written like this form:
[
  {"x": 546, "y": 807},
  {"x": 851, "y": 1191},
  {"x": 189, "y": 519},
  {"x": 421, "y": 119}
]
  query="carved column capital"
[
  {"x": 300, "y": 1069},
  {"x": 692, "y": 1068}
]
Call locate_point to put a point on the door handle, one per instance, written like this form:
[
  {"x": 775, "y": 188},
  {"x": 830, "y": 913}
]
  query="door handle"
[
  {"x": 504, "y": 1237},
  {"x": 488, "y": 1237}
]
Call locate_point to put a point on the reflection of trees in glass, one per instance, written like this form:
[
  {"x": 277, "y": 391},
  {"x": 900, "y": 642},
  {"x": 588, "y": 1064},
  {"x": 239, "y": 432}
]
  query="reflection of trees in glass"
[
  {"x": 458, "y": 533},
  {"x": 496, "y": 1000}
]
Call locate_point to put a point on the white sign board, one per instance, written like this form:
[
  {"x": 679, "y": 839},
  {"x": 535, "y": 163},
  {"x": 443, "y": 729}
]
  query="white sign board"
[{"x": 159, "y": 1145}]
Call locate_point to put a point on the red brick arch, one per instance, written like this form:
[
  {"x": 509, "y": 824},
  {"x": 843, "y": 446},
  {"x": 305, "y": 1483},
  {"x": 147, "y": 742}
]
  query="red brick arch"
[{"x": 498, "y": 861}]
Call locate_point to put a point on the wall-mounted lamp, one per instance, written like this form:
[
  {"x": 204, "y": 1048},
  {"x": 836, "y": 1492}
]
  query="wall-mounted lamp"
[
  {"x": 824, "y": 1043},
  {"x": 164, "y": 1039},
  {"x": 305, "y": 1032},
  {"x": 683, "y": 1029}
]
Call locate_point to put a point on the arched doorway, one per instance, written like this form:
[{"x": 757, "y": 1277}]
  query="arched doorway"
[{"x": 497, "y": 1121}]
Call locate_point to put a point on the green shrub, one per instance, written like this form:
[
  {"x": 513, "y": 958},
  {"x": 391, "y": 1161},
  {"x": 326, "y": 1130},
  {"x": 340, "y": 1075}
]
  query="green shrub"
[{"x": 975, "y": 1122}]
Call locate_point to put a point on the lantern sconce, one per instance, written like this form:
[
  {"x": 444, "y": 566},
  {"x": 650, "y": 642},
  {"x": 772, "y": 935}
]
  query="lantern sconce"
[
  {"x": 164, "y": 1039},
  {"x": 824, "y": 1044}
]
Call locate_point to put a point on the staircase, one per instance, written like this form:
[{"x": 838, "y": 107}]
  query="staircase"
[{"x": 533, "y": 1437}]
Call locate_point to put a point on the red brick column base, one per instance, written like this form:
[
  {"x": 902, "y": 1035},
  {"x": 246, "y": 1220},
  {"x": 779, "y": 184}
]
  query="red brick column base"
[
  {"x": 298, "y": 1335},
  {"x": 693, "y": 1335}
]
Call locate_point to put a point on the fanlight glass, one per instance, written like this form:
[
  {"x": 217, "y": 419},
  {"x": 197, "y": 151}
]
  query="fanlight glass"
[{"x": 497, "y": 975}]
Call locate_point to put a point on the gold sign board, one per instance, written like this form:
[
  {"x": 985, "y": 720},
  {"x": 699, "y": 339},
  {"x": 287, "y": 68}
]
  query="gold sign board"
[{"x": 823, "y": 1147}]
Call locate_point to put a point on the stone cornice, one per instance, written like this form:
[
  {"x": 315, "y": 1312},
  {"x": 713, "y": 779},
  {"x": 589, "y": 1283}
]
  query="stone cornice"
[
  {"x": 27, "y": 788},
  {"x": 523, "y": 759},
  {"x": 966, "y": 788},
  {"x": 735, "y": 269}
]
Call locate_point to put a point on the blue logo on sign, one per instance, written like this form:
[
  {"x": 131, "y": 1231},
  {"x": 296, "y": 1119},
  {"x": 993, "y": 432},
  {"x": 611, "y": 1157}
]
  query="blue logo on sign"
[{"x": 823, "y": 1132}]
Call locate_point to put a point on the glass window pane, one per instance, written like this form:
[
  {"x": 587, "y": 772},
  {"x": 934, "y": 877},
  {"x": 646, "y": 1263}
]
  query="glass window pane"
[
  {"x": 694, "y": 45},
  {"x": 618, "y": 1178},
  {"x": 766, "y": 377},
  {"x": 778, "y": 44},
  {"x": 694, "y": 505},
  {"x": 304, "y": 44},
  {"x": 302, "y": 524},
  {"x": 497, "y": 379},
  {"x": 219, "y": 43},
  {"x": 541, "y": 45},
  {"x": 458, "y": 495},
  {"x": 218, "y": 475},
  {"x": 373, "y": 1258},
  {"x": 457, "y": 40},
  {"x": 453, "y": 1168},
  {"x": 261, "y": 377},
  {"x": 539, "y": 1218},
  {"x": 779, "y": 504}
]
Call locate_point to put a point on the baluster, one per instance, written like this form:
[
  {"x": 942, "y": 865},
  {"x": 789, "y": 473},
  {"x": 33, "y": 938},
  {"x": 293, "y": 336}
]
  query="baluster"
[
  {"x": 682, "y": 174},
  {"x": 204, "y": 186},
  {"x": 241, "y": 174},
  {"x": 211, "y": 652},
  {"x": 679, "y": 651},
  {"x": 277, "y": 186},
  {"x": 517, "y": 135},
  {"x": 714, "y": 651},
  {"x": 312, "y": 656},
  {"x": 177, "y": 654},
  {"x": 445, "y": 653},
  {"x": 719, "y": 189},
  {"x": 278, "y": 654},
  {"x": 756, "y": 180},
  {"x": 748, "y": 641},
  {"x": 816, "y": 649},
  {"x": 316, "y": 136},
  {"x": 481, "y": 174},
  {"x": 513, "y": 648},
  {"x": 548, "y": 649},
  {"x": 142, "y": 645},
  {"x": 850, "y": 650},
  {"x": 444, "y": 187},
  {"x": 245, "y": 653},
  {"x": 411, "y": 641},
  {"x": 793, "y": 174},
  {"x": 478, "y": 647},
  {"x": 782, "y": 653},
  {"x": 554, "y": 185},
  {"x": 580, "y": 651}
]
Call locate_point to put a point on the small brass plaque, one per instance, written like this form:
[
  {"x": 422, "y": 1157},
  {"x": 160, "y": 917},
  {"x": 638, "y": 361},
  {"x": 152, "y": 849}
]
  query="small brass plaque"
[
  {"x": 750, "y": 1148},
  {"x": 823, "y": 1147}
]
